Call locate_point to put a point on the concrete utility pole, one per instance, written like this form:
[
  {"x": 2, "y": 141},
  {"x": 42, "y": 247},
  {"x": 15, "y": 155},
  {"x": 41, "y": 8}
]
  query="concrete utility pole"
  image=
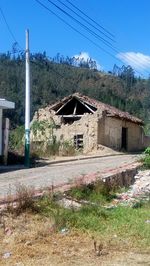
[{"x": 27, "y": 104}]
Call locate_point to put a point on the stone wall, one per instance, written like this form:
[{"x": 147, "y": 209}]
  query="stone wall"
[{"x": 86, "y": 126}]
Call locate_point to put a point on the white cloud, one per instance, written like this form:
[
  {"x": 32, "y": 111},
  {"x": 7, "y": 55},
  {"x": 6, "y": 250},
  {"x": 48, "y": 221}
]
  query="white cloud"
[
  {"x": 85, "y": 56},
  {"x": 82, "y": 55},
  {"x": 136, "y": 60}
]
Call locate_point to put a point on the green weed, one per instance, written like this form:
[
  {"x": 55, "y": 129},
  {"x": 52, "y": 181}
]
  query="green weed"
[
  {"x": 16, "y": 138},
  {"x": 99, "y": 192},
  {"x": 119, "y": 224},
  {"x": 146, "y": 158}
]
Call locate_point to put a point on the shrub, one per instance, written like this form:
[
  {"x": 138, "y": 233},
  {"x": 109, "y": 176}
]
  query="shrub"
[
  {"x": 99, "y": 192},
  {"x": 67, "y": 149},
  {"x": 24, "y": 200},
  {"x": 146, "y": 158},
  {"x": 41, "y": 126},
  {"x": 16, "y": 138},
  {"x": 52, "y": 147},
  {"x": 147, "y": 151},
  {"x": 146, "y": 161}
]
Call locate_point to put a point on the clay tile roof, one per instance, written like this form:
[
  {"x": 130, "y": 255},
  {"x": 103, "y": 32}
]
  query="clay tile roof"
[{"x": 110, "y": 110}]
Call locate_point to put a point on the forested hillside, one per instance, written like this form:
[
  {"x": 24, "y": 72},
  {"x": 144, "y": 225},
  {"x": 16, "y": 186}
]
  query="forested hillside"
[{"x": 57, "y": 77}]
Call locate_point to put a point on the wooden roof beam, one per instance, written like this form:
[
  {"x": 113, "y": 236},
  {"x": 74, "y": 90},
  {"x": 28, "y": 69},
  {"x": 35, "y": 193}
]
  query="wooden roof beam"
[
  {"x": 63, "y": 106},
  {"x": 90, "y": 109}
]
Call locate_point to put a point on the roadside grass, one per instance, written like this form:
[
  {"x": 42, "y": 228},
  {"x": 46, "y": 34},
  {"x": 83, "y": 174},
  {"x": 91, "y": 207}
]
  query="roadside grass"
[
  {"x": 125, "y": 225},
  {"x": 145, "y": 159},
  {"x": 121, "y": 227},
  {"x": 98, "y": 192},
  {"x": 38, "y": 239}
]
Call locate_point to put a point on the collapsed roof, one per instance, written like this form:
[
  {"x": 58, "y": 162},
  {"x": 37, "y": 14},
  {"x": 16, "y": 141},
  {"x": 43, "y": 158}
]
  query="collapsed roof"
[{"x": 77, "y": 104}]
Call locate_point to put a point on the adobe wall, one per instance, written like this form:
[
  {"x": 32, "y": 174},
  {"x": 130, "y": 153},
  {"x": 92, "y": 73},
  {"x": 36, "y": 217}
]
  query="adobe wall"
[
  {"x": 110, "y": 134},
  {"x": 96, "y": 129},
  {"x": 86, "y": 126},
  {"x": 135, "y": 137}
]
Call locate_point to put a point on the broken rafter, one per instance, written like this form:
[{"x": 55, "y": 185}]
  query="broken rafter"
[
  {"x": 90, "y": 109},
  {"x": 71, "y": 116},
  {"x": 75, "y": 109},
  {"x": 63, "y": 106}
]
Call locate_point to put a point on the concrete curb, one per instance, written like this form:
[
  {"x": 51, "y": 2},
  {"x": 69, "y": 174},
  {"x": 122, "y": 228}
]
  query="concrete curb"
[{"x": 84, "y": 158}]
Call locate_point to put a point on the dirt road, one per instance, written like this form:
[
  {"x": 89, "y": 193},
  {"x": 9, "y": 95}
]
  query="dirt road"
[{"x": 60, "y": 173}]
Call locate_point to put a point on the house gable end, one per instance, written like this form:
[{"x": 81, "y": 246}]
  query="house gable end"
[{"x": 75, "y": 106}]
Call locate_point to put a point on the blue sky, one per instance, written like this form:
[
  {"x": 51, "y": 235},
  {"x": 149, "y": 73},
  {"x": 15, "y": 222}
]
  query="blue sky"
[{"x": 128, "y": 20}]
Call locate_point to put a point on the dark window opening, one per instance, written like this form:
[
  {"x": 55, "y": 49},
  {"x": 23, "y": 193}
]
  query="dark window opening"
[
  {"x": 78, "y": 141},
  {"x": 124, "y": 138}
]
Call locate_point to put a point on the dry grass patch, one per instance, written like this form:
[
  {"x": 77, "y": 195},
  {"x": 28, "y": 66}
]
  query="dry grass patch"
[{"x": 34, "y": 240}]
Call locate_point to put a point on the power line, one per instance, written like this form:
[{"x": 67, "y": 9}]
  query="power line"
[
  {"x": 95, "y": 35},
  {"x": 96, "y": 23},
  {"x": 7, "y": 25},
  {"x": 106, "y": 35},
  {"x": 83, "y": 35},
  {"x": 113, "y": 48},
  {"x": 107, "y": 43},
  {"x": 9, "y": 29}
]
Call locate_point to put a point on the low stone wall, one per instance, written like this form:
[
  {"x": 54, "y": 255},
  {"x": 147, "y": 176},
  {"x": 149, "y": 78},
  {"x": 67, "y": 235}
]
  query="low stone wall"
[
  {"x": 120, "y": 177},
  {"x": 123, "y": 178}
]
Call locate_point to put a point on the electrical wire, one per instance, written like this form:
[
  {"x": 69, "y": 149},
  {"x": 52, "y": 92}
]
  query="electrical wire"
[
  {"x": 107, "y": 43},
  {"x": 130, "y": 57},
  {"x": 9, "y": 29},
  {"x": 96, "y": 23},
  {"x": 106, "y": 35},
  {"x": 7, "y": 25},
  {"x": 73, "y": 28},
  {"x": 83, "y": 35}
]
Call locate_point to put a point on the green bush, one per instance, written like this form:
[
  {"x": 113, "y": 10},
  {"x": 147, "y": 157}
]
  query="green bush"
[
  {"x": 146, "y": 158},
  {"x": 147, "y": 151},
  {"x": 41, "y": 126},
  {"x": 51, "y": 148},
  {"x": 67, "y": 149},
  {"x": 147, "y": 161},
  {"x": 16, "y": 138},
  {"x": 100, "y": 192}
]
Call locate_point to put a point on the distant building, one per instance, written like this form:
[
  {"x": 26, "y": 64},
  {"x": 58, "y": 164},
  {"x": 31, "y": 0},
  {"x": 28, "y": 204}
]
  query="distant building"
[
  {"x": 4, "y": 104},
  {"x": 89, "y": 123}
]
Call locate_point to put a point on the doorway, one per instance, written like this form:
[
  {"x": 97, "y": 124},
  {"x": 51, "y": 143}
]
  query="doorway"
[{"x": 124, "y": 138}]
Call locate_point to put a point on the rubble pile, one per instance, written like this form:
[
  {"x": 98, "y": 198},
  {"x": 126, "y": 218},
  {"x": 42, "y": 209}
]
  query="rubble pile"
[{"x": 140, "y": 190}]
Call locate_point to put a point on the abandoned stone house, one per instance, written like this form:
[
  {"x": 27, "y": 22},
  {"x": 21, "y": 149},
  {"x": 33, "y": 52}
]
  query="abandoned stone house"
[{"x": 89, "y": 123}]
